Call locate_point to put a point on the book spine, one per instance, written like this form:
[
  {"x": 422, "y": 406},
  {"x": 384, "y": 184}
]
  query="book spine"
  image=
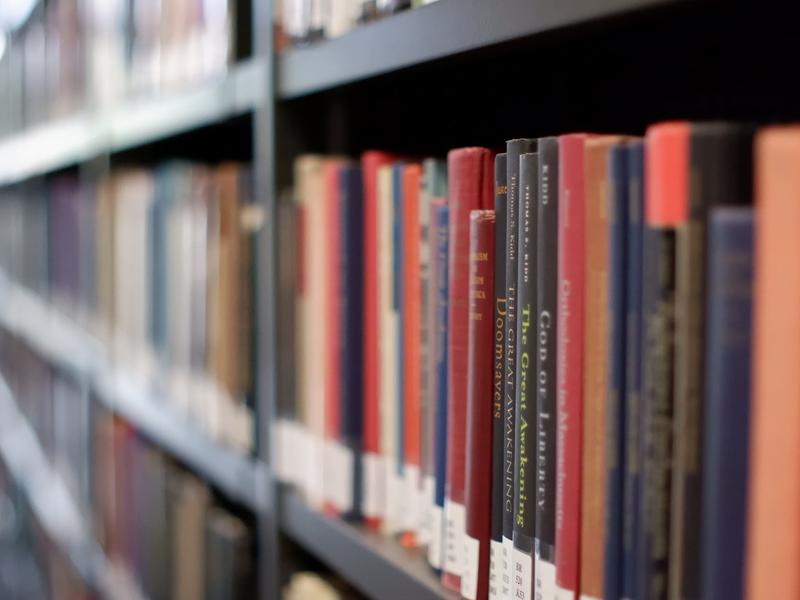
[
  {"x": 525, "y": 407},
  {"x": 720, "y": 170},
  {"x": 440, "y": 224},
  {"x": 352, "y": 345},
  {"x": 514, "y": 148},
  {"x": 397, "y": 472},
  {"x": 727, "y": 412},
  {"x": 773, "y": 500},
  {"x": 496, "y": 567},
  {"x": 665, "y": 212},
  {"x": 412, "y": 176},
  {"x": 335, "y": 217},
  {"x": 633, "y": 374},
  {"x": 471, "y": 185},
  {"x": 432, "y": 187},
  {"x": 546, "y": 424},
  {"x": 475, "y": 577},
  {"x": 571, "y": 257},
  {"x": 618, "y": 226},
  {"x": 374, "y": 505},
  {"x": 388, "y": 345},
  {"x": 595, "y": 369}
]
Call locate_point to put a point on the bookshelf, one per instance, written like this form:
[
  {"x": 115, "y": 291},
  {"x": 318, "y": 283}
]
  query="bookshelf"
[{"x": 437, "y": 64}]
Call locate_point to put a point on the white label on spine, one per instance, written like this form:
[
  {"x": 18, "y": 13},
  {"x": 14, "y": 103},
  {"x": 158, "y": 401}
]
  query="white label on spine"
[
  {"x": 426, "y": 494},
  {"x": 331, "y": 478},
  {"x": 469, "y": 573},
  {"x": 394, "y": 500},
  {"x": 455, "y": 523},
  {"x": 585, "y": 597},
  {"x": 435, "y": 549},
  {"x": 411, "y": 492},
  {"x": 495, "y": 570},
  {"x": 346, "y": 471},
  {"x": 564, "y": 594},
  {"x": 545, "y": 580},
  {"x": 374, "y": 485},
  {"x": 523, "y": 575},
  {"x": 506, "y": 588},
  {"x": 315, "y": 469}
]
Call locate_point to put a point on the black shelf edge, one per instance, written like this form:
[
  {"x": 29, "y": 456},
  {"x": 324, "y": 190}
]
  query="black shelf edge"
[
  {"x": 136, "y": 122},
  {"x": 63, "y": 343},
  {"x": 378, "y": 567},
  {"x": 53, "y": 506},
  {"x": 435, "y": 31}
]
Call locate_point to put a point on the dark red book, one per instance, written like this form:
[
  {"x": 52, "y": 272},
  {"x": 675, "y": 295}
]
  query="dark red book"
[
  {"x": 571, "y": 266},
  {"x": 333, "y": 322},
  {"x": 471, "y": 184},
  {"x": 480, "y": 398},
  {"x": 373, "y": 484}
]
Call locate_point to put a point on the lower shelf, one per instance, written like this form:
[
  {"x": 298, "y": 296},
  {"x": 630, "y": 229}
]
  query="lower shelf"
[{"x": 378, "y": 567}]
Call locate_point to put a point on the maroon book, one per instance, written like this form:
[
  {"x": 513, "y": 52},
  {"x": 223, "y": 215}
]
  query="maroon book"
[
  {"x": 471, "y": 185},
  {"x": 480, "y": 331}
]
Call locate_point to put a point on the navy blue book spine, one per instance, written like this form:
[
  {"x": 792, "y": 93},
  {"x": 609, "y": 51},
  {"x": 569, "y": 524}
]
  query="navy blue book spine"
[
  {"x": 727, "y": 411},
  {"x": 617, "y": 301},
  {"x": 441, "y": 223},
  {"x": 352, "y": 306},
  {"x": 397, "y": 305},
  {"x": 633, "y": 374}
]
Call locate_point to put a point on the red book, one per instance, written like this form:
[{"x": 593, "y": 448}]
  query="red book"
[
  {"x": 333, "y": 322},
  {"x": 373, "y": 484},
  {"x": 412, "y": 325},
  {"x": 471, "y": 184},
  {"x": 475, "y": 576},
  {"x": 571, "y": 266}
]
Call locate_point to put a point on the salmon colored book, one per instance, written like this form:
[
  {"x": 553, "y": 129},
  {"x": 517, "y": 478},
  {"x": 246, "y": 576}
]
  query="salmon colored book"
[
  {"x": 595, "y": 372},
  {"x": 333, "y": 323},
  {"x": 773, "y": 536},
  {"x": 412, "y": 179}
]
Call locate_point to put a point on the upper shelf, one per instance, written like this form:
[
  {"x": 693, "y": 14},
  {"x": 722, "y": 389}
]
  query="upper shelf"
[
  {"x": 435, "y": 31},
  {"x": 74, "y": 139}
]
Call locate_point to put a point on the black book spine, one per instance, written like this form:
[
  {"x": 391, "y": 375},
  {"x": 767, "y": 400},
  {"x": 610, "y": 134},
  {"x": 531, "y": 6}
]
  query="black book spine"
[
  {"x": 496, "y": 559},
  {"x": 720, "y": 170},
  {"x": 525, "y": 409},
  {"x": 546, "y": 307},
  {"x": 514, "y": 148},
  {"x": 352, "y": 344},
  {"x": 658, "y": 306}
]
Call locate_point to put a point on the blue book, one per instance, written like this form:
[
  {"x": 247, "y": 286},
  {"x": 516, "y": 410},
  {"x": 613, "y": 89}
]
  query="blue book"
[
  {"x": 631, "y": 516},
  {"x": 352, "y": 307},
  {"x": 439, "y": 240},
  {"x": 615, "y": 410},
  {"x": 397, "y": 305},
  {"x": 727, "y": 410}
]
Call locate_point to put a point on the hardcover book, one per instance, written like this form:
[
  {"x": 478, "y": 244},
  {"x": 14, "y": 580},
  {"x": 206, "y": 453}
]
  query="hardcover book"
[
  {"x": 773, "y": 501},
  {"x": 729, "y": 305},
  {"x": 475, "y": 576},
  {"x": 514, "y": 148},
  {"x": 667, "y": 147},
  {"x": 496, "y": 567},
  {"x": 571, "y": 278},
  {"x": 440, "y": 307},
  {"x": 525, "y": 406},
  {"x": 471, "y": 186},
  {"x": 546, "y": 371},
  {"x": 374, "y": 474}
]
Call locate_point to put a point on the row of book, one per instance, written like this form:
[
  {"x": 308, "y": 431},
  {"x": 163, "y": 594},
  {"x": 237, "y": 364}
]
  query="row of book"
[
  {"x": 158, "y": 524},
  {"x": 70, "y": 54},
  {"x": 538, "y": 363},
  {"x": 156, "y": 264},
  {"x": 307, "y": 21}
]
